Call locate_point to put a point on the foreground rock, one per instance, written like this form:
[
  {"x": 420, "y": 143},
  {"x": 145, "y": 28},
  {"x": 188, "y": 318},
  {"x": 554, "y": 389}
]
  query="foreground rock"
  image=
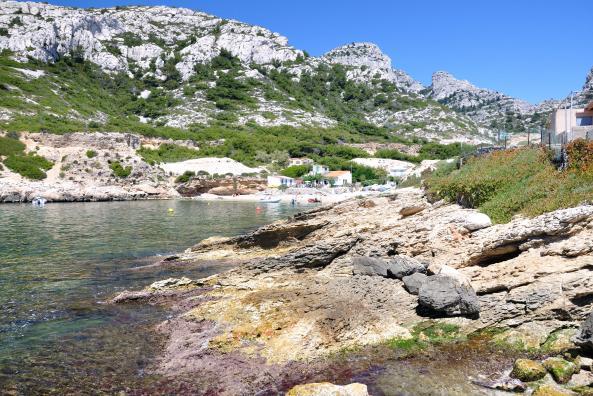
[
  {"x": 446, "y": 295},
  {"x": 327, "y": 389},
  {"x": 528, "y": 370},
  {"x": 326, "y": 281}
]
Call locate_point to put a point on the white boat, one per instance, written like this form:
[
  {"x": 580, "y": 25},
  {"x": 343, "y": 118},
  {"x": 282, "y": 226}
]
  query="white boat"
[
  {"x": 269, "y": 200},
  {"x": 39, "y": 202}
]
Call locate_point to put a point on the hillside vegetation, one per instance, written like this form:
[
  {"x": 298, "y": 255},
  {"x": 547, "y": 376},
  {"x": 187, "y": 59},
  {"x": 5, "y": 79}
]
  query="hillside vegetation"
[{"x": 521, "y": 181}]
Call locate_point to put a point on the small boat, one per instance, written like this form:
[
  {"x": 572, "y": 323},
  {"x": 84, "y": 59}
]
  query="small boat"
[
  {"x": 269, "y": 200},
  {"x": 39, "y": 202}
]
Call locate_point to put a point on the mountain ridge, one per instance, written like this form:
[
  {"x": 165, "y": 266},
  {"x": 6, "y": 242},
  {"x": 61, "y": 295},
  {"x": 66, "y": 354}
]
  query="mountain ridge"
[{"x": 169, "y": 52}]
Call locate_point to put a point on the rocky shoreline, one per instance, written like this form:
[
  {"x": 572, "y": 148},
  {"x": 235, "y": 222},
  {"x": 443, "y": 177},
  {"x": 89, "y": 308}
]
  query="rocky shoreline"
[
  {"x": 22, "y": 192},
  {"x": 397, "y": 271}
]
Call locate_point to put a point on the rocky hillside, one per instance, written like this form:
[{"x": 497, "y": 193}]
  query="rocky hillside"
[
  {"x": 178, "y": 68},
  {"x": 120, "y": 68},
  {"x": 487, "y": 107},
  {"x": 495, "y": 110}
]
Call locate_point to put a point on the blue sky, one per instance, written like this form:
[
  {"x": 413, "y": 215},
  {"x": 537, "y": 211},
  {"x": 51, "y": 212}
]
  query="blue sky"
[{"x": 527, "y": 49}]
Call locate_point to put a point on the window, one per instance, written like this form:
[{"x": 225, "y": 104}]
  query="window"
[{"x": 585, "y": 121}]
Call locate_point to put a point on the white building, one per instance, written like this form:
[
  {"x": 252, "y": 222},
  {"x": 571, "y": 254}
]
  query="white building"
[
  {"x": 338, "y": 178},
  {"x": 317, "y": 169},
  {"x": 565, "y": 125},
  {"x": 279, "y": 180}
]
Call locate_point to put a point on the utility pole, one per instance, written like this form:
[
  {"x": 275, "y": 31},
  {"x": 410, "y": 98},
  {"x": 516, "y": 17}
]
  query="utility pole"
[
  {"x": 528, "y": 135},
  {"x": 571, "y": 100}
]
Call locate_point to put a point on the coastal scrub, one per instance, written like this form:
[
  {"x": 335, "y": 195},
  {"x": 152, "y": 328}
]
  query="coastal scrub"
[{"x": 520, "y": 181}]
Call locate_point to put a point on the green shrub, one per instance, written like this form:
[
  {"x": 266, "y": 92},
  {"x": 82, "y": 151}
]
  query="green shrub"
[
  {"x": 119, "y": 170},
  {"x": 10, "y": 146},
  {"x": 168, "y": 153},
  {"x": 91, "y": 153},
  {"x": 131, "y": 39},
  {"x": 296, "y": 171},
  {"x": 397, "y": 155},
  {"x": 29, "y": 166},
  {"x": 187, "y": 175},
  {"x": 505, "y": 183}
]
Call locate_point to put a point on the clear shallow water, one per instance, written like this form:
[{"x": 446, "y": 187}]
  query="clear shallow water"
[{"x": 58, "y": 263}]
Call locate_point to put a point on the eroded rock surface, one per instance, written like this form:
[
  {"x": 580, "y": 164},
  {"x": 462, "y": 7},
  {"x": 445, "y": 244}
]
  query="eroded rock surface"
[{"x": 302, "y": 293}]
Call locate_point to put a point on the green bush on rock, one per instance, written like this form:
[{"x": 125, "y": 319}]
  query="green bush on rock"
[
  {"x": 185, "y": 177},
  {"x": 119, "y": 170},
  {"x": 9, "y": 146},
  {"x": 29, "y": 166}
]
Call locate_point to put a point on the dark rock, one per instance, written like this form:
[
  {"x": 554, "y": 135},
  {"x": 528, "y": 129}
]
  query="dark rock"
[
  {"x": 446, "y": 295},
  {"x": 584, "y": 338},
  {"x": 411, "y": 210},
  {"x": 370, "y": 266},
  {"x": 316, "y": 255},
  {"x": 413, "y": 282},
  {"x": 400, "y": 266}
]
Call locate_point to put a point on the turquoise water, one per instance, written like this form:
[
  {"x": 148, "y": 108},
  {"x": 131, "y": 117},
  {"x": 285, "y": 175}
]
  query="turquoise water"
[{"x": 59, "y": 263}]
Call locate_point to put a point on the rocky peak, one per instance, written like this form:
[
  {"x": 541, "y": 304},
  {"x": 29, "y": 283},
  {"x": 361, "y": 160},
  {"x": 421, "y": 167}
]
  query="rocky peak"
[
  {"x": 484, "y": 106},
  {"x": 368, "y": 62},
  {"x": 444, "y": 85},
  {"x": 359, "y": 55},
  {"x": 112, "y": 37}
]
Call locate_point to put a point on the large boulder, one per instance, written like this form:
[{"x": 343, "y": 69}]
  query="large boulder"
[
  {"x": 447, "y": 296},
  {"x": 584, "y": 338},
  {"x": 413, "y": 282},
  {"x": 473, "y": 221}
]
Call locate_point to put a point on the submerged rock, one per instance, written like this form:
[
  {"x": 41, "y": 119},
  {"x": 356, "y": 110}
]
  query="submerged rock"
[
  {"x": 328, "y": 389},
  {"x": 172, "y": 284},
  {"x": 528, "y": 370},
  {"x": 445, "y": 295}
]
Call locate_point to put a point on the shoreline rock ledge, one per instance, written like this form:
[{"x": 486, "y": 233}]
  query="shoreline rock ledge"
[{"x": 350, "y": 275}]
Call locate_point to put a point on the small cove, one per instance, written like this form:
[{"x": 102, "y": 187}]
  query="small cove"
[{"x": 59, "y": 263}]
